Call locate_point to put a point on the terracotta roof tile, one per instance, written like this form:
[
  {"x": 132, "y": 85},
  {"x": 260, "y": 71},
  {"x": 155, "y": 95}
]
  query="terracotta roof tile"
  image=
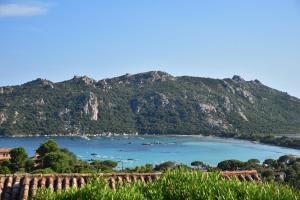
[{"x": 24, "y": 186}]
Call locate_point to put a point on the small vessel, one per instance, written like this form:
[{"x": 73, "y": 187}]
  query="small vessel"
[
  {"x": 152, "y": 143},
  {"x": 85, "y": 137}
]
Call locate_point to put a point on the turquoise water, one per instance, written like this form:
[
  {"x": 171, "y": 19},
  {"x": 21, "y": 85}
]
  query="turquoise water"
[{"x": 133, "y": 151}]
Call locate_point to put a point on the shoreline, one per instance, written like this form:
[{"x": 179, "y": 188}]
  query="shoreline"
[{"x": 109, "y": 134}]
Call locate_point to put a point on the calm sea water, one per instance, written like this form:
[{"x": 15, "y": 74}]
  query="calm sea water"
[{"x": 133, "y": 151}]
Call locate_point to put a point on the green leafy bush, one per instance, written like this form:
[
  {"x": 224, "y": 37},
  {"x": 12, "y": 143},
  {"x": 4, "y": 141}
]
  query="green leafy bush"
[
  {"x": 43, "y": 171},
  {"x": 177, "y": 184},
  {"x": 4, "y": 170}
]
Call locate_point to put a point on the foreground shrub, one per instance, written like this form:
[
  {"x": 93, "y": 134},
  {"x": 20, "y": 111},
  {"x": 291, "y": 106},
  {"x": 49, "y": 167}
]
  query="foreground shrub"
[
  {"x": 4, "y": 170},
  {"x": 177, "y": 184},
  {"x": 43, "y": 171}
]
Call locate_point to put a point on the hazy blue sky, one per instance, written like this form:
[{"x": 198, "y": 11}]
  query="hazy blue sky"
[{"x": 56, "y": 39}]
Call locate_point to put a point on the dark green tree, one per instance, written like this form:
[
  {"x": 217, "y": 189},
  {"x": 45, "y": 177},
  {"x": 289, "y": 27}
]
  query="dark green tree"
[
  {"x": 18, "y": 158},
  {"x": 251, "y": 164},
  {"x": 148, "y": 167},
  {"x": 230, "y": 165},
  {"x": 286, "y": 159},
  {"x": 109, "y": 163},
  {"x": 59, "y": 162},
  {"x": 106, "y": 165},
  {"x": 165, "y": 166},
  {"x": 200, "y": 165},
  {"x": 48, "y": 147},
  {"x": 29, "y": 165},
  {"x": 268, "y": 174},
  {"x": 270, "y": 162}
]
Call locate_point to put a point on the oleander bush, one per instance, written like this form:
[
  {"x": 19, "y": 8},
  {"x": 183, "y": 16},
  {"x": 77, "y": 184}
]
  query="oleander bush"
[{"x": 177, "y": 184}]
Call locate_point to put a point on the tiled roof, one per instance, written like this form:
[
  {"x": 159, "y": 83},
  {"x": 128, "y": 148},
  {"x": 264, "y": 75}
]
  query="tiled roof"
[
  {"x": 20, "y": 187},
  {"x": 5, "y": 150},
  {"x": 250, "y": 175}
]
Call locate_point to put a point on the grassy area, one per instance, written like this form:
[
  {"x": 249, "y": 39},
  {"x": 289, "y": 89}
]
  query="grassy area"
[{"x": 177, "y": 184}]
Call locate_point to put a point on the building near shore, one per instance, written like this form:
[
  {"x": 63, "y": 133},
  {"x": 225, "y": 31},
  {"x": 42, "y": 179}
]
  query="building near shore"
[{"x": 5, "y": 154}]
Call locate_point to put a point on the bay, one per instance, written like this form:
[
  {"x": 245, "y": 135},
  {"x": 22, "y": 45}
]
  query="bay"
[{"x": 138, "y": 150}]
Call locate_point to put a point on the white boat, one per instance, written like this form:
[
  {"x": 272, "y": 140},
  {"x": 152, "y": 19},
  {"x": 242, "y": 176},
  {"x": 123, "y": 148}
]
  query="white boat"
[{"x": 85, "y": 137}]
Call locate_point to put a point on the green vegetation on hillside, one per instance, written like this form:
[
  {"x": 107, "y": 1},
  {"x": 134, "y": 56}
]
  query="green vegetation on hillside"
[
  {"x": 177, "y": 184},
  {"x": 150, "y": 103}
]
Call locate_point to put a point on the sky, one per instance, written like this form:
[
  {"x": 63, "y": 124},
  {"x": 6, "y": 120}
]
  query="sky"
[{"x": 55, "y": 40}]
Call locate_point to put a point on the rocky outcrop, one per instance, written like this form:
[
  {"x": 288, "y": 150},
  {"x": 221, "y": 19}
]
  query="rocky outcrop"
[
  {"x": 91, "y": 107},
  {"x": 16, "y": 115},
  {"x": 226, "y": 104},
  {"x": 238, "y": 78},
  {"x": 142, "y": 78},
  {"x": 136, "y": 106},
  {"x": 245, "y": 94},
  {"x": 3, "y": 118},
  {"x": 161, "y": 76},
  {"x": 48, "y": 83},
  {"x": 64, "y": 112},
  {"x": 162, "y": 99},
  {"x": 228, "y": 87},
  {"x": 243, "y": 116},
  {"x": 207, "y": 108},
  {"x": 6, "y": 90},
  {"x": 40, "y": 83},
  {"x": 214, "y": 123},
  {"x": 152, "y": 76},
  {"x": 41, "y": 115},
  {"x": 85, "y": 79},
  {"x": 40, "y": 102}
]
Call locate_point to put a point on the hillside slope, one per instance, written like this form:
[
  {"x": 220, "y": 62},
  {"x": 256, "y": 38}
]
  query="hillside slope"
[{"x": 151, "y": 102}]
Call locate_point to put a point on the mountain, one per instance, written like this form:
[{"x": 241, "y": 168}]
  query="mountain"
[{"x": 148, "y": 103}]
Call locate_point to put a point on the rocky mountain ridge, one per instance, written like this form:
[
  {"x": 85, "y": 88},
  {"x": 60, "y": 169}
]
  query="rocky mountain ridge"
[{"x": 148, "y": 103}]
